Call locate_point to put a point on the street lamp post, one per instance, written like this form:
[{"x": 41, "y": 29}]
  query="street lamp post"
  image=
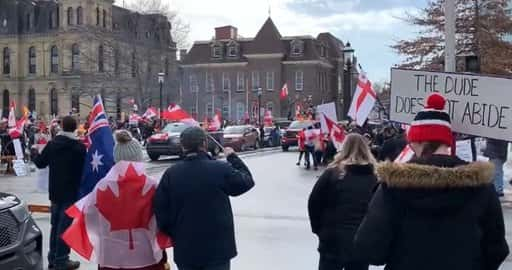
[
  {"x": 260, "y": 92},
  {"x": 348, "y": 55},
  {"x": 161, "y": 76}
]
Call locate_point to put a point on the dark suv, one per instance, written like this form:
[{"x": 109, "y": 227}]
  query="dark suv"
[
  {"x": 20, "y": 238},
  {"x": 290, "y": 136}
]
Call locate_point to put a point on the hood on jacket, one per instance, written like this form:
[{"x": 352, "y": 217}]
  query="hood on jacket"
[
  {"x": 360, "y": 169},
  {"x": 434, "y": 188}
]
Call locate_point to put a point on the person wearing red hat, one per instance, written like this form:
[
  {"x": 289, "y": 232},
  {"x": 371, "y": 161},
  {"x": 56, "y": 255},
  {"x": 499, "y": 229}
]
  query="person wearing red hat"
[{"x": 437, "y": 211}]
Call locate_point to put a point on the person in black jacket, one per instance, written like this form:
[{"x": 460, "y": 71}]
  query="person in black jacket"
[
  {"x": 65, "y": 156},
  {"x": 497, "y": 152},
  {"x": 192, "y": 204},
  {"x": 339, "y": 201},
  {"x": 436, "y": 212}
]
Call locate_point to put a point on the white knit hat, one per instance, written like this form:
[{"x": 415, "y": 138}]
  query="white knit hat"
[{"x": 127, "y": 148}]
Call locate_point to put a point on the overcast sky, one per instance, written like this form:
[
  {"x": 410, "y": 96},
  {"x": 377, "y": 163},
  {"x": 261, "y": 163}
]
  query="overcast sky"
[{"x": 370, "y": 25}]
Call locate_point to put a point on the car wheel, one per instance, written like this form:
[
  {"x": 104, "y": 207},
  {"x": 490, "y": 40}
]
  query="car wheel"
[
  {"x": 153, "y": 157},
  {"x": 285, "y": 148}
]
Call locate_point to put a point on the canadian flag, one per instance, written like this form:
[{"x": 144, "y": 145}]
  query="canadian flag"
[
  {"x": 406, "y": 155},
  {"x": 284, "y": 92},
  {"x": 150, "y": 113},
  {"x": 176, "y": 113},
  {"x": 16, "y": 131},
  {"x": 105, "y": 233},
  {"x": 268, "y": 119},
  {"x": 216, "y": 123},
  {"x": 363, "y": 101},
  {"x": 336, "y": 133},
  {"x": 134, "y": 118}
]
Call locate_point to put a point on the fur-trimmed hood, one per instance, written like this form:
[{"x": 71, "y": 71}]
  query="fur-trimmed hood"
[{"x": 413, "y": 175}]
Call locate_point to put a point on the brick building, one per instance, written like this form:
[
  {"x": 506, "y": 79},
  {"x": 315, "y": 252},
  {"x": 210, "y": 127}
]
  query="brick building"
[
  {"x": 56, "y": 55},
  {"x": 227, "y": 72}
]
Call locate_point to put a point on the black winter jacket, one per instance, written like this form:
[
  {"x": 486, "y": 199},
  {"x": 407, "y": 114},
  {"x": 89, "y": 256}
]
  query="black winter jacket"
[
  {"x": 192, "y": 206},
  {"x": 496, "y": 149},
  {"x": 337, "y": 205},
  {"x": 65, "y": 157},
  {"x": 435, "y": 213}
]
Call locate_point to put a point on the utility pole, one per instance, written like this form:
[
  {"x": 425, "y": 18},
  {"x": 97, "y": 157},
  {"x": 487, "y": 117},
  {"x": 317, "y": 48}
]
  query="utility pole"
[{"x": 450, "y": 50}]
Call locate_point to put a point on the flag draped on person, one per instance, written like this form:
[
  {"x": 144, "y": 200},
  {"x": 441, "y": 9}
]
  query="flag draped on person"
[
  {"x": 268, "y": 119},
  {"x": 336, "y": 133},
  {"x": 105, "y": 233},
  {"x": 100, "y": 152},
  {"x": 176, "y": 113},
  {"x": 363, "y": 101},
  {"x": 216, "y": 123}
]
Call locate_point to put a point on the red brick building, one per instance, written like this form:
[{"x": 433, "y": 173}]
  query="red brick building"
[{"x": 228, "y": 72}]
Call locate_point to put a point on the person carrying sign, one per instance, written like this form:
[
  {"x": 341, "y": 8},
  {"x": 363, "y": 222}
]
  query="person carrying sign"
[
  {"x": 437, "y": 211},
  {"x": 497, "y": 152}
]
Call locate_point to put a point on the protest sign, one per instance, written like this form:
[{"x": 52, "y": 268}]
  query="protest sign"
[
  {"x": 329, "y": 110},
  {"x": 18, "y": 150},
  {"x": 20, "y": 168},
  {"x": 464, "y": 151},
  {"x": 477, "y": 105}
]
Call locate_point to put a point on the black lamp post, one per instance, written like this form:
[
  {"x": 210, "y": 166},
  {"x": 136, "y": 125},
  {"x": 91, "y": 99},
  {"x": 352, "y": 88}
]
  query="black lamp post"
[
  {"x": 348, "y": 55},
  {"x": 260, "y": 92},
  {"x": 161, "y": 76}
]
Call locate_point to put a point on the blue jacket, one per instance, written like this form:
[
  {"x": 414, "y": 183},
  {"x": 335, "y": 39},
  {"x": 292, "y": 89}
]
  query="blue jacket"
[{"x": 192, "y": 206}]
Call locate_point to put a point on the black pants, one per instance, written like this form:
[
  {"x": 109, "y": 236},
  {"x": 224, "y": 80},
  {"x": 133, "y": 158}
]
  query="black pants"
[
  {"x": 58, "y": 254},
  {"x": 301, "y": 153},
  {"x": 329, "y": 263},
  {"x": 310, "y": 154},
  {"x": 224, "y": 266}
]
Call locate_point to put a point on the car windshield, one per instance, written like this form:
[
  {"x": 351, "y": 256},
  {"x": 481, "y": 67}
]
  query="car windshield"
[
  {"x": 175, "y": 128},
  {"x": 300, "y": 124},
  {"x": 235, "y": 130}
]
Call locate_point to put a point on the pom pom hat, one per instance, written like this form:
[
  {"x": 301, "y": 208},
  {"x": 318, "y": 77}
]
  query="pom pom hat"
[{"x": 432, "y": 124}]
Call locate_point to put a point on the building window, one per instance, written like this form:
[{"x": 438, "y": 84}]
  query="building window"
[
  {"x": 255, "y": 76},
  {"x": 75, "y": 101},
  {"x": 116, "y": 61},
  {"x": 323, "y": 50},
  {"x": 193, "y": 110},
  {"x": 225, "y": 110},
  {"x": 232, "y": 49},
  {"x": 217, "y": 51},
  {"x": 240, "y": 110},
  {"x": 299, "y": 81},
  {"x": 297, "y": 47},
  {"x": 6, "y": 61},
  {"x": 209, "y": 82},
  {"x": 54, "y": 59},
  {"x": 134, "y": 66},
  {"x": 31, "y": 99},
  {"x": 29, "y": 21},
  {"x": 194, "y": 84},
  {"x": 270, "y": 106},
  {"x": 75, "y": 57},
  {"x": 100, "y": 59},
  {"x": 166, "y": 65},
  {"x": 118, "y": 104},
  {"x": 6, "y": 100},
  {"x": 54, "y": 102},
  {"x": 79, "y": 16},
  {"x": 70, "y": 16},
  {"x": 97, "y": 16},
  {"x": 104, "y": 18},
  {"x": 240, "y": 81},
  {"x": 32, "y": 60},
  {"x": 226, "y": 82},
  {"x": 209, "y": 109},
  {"x": 270, "y": 81},
  {"x": 51, "y": 20}
]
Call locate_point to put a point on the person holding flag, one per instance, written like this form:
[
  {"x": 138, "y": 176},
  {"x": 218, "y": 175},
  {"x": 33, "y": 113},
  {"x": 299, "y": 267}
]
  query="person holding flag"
[
  {"x": 364, "y": 100},
  {"x": 65, "y": 157}
]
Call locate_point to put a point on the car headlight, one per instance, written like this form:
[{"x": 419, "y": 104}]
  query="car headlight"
[{"x": 20, "y": 212}]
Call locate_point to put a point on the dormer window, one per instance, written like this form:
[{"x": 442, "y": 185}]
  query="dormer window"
[
  {"x": 232, "y": 49},
  {"x": 297, "y": 47},
  {"x": 217, "y": 50},
  {"x": 323, "y": 50}
]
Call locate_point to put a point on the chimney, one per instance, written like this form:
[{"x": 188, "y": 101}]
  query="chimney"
[{"x": 226, "y": 32}]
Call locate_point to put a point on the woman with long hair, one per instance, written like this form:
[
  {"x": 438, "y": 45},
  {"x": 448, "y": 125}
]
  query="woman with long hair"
[
  {"x": 437, "y": 211},
  {"x": 339, "y": 201}
]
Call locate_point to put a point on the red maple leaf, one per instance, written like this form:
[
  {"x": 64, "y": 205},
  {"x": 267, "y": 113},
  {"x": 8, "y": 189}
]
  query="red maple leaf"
[{"x": 131, "y": 209}]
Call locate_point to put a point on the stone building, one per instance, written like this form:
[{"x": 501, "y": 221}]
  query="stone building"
[
  {"x": 56, "y": 55},
  {"x": 227, "y": 73}
]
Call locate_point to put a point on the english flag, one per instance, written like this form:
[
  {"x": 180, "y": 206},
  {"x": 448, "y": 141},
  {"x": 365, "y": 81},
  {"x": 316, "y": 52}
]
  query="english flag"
[
  {"x": 16, "y": 131},
  {"x": 363, "y": 101},
  {"x": 405, "y": 156},
  {"x": 150, "y": 113},
  {"x": 284, "y": 92},
  {"x": 176, "y": 113},
  {"x": 268, "y": 119},
  {"x": 336, "y": 133},
  {"x": 216, "y": 123},
  {"x": 104, "y": 232}
]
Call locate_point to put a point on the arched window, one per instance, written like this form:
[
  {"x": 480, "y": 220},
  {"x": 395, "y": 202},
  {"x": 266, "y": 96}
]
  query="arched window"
[
  {"x": 5, "y": 105},
  {"x": 75, "y": 101},
  {"x": 54, "y": 102},
  {"x": 97, "y": 16},
  {"x": 54, "y": 59},
  {"x": 6, "y": 60},
  {"x": 70, "y": 15},
  {"x": 79, "y": 16},
  {"x": 31, "y": 99},
  {"x": 32, "y": 60},
  {"x": 100, "y": 59},
  {"x": 75, "y": 57},
  {"x": 104, "y": 18}
]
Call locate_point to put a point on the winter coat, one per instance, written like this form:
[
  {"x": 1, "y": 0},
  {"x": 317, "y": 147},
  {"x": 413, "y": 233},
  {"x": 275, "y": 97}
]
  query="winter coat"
[
  {"x": 159, "y": 266},
  {"x": 65, "y": 156},
  {"x": 434, "y": 213},
  {"x": 337, "y": 205},
  {"x": 192, "y": 206},
  {"x": 496, "y": 149},
  {"x": 301, "y": 140},
  {"x": 392, "y": 147}
]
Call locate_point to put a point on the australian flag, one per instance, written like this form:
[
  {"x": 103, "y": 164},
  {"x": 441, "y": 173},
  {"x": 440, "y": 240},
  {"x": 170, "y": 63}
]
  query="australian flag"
[{"x": 100, "y": 151}]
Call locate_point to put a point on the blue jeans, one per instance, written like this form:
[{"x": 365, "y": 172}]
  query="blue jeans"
[
  {"x": 498, "y": 174},
  {"x": 59, "y": 250}
]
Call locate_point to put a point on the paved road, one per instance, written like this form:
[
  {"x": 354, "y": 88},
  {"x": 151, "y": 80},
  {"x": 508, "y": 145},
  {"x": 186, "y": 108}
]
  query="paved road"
[{"x": 271, "y": 220}]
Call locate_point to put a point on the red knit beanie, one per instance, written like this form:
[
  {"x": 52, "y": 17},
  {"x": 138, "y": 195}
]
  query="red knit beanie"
[{"x": 432, "y": 124}]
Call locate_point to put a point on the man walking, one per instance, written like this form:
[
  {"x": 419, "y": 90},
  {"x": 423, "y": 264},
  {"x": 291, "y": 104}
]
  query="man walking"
[
  {"x": 192, "y": 204},
  {"x": 497, "y": 152},
  {"x": 65, "y": 156}
]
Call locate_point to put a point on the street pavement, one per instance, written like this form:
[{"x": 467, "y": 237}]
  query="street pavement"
[{"x": 272, "y": 228}]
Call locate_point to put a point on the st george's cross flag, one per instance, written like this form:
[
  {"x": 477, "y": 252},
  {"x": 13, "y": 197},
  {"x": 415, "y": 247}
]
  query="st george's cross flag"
[
  {"x": 100, "y": 153},
  {"x": 363, "y": 101},
  {"x": 336, "y": 133}
]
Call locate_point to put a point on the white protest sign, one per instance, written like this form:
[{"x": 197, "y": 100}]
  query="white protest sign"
[
  {"x": 463, "y": 150},
  {"x": 477, "y": 105},
  {"x": 329, "y": 109},
  {"x": 18, "y": 150},
  {"x": 20, "y": 168}
]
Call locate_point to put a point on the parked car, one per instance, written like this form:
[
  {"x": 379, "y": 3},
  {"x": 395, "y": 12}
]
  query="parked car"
[
  {"x": 241, "y": 138},
  {"x": 167, "y": 142},
  {"x": 21, "y": 239},
  {"x": 290, "y": 135}
]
